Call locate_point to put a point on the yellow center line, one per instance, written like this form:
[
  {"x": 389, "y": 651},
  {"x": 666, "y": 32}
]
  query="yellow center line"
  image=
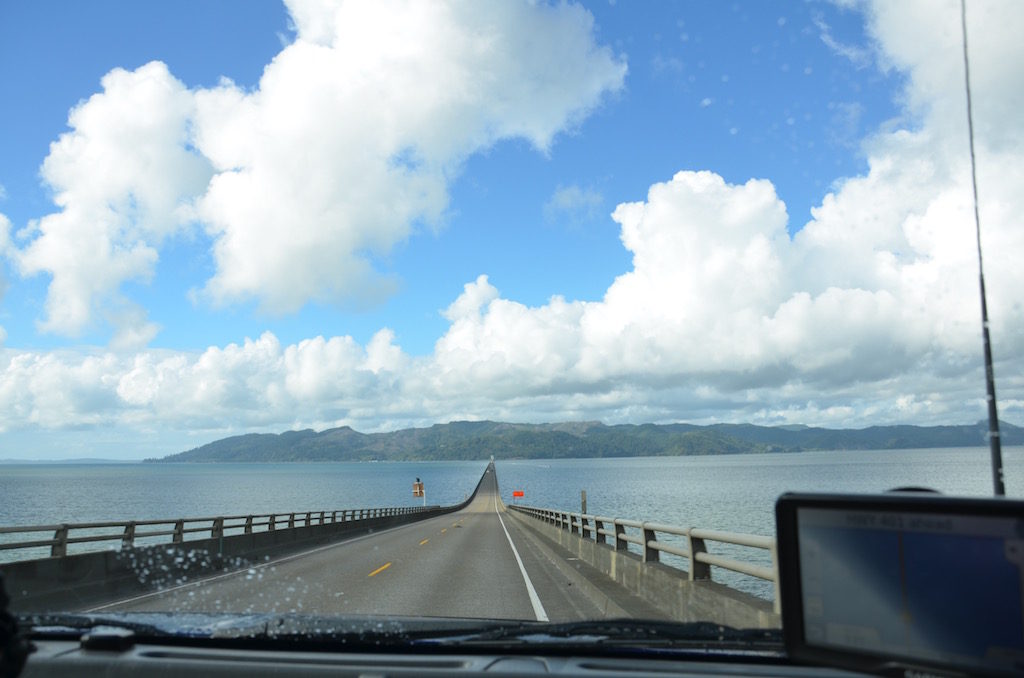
[
  {"x": 424, "y": 541},
  {"x": 379, "y": 569}
]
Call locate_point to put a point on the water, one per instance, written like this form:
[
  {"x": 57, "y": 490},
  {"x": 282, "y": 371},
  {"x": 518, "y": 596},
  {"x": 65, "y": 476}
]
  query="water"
[
  {"x": 734, "y": 493},
  {"x": 738, "y": 492},
  {"x": 50, "y": 494},
  {"x": 41, "y": 494}
]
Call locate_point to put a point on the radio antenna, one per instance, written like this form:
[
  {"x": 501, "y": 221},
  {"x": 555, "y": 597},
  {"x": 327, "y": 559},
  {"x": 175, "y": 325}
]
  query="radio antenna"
[{"x": 990, "y": 379}]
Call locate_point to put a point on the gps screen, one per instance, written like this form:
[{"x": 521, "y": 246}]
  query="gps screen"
[{"x": 941, "y": 588}]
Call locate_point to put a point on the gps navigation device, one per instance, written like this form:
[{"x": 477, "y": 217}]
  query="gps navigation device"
[{"x": 900, "y": 583}]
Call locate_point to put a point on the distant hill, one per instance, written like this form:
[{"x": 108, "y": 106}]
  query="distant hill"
[{"x": 481, "y": 439}]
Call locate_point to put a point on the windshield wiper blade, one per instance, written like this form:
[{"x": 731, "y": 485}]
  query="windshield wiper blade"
[
  {"x": 261, "y": 627},
  {"x": 141, "y": 624},
  {"x": 66, "y": 624},
  {"x": 619, "y": 632},
  {"x": 405, "y": 633}
]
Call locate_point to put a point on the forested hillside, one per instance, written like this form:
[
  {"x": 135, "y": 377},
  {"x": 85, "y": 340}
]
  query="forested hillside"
[{"x": 481, "y": 439}]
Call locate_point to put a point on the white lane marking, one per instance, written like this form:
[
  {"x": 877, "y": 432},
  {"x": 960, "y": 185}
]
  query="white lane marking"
[
  {"x": 538, "y": 609},
  {"x": 237, "y": 573}
]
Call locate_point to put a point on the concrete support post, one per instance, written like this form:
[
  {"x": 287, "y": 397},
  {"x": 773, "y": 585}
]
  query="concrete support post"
[
  {"x": 574, "y": 523},
  {"x": 775, "y": 584},
  {"x": 128, "y": 537},
  {"x": 598, "y": 526},
  {"x": 698, "y": 570},
  {"x": 291, "y": 520},
  {"x": 309, "y": 518},
  {"x": 179, "y": 532},
  {"x": 651, "y": 554},
  {"x": 217, "y": 532},
  {"x": 321, "y": 517},
  {"x": 584, "y": 526},
  {"x": 273, "y": 522},
  {"x": 248, "y": 525},
  {"x": 60, "y": 542},
  {"x": 334, "y": 516},
  {"x": 620, "y": 543}
]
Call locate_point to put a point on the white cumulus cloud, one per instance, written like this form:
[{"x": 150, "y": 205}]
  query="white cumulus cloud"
[
  {"x": 348, "y": 142},
  {"x": 869, "y": 314},
  {"x": 123, "y": 178}
]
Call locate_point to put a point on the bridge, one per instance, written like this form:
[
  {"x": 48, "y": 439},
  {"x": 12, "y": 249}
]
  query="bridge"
[{"x": 479, "y": 559}]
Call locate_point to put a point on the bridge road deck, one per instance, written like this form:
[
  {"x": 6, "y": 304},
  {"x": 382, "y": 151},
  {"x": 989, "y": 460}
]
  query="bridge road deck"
[{"x": 457, "y": 565}]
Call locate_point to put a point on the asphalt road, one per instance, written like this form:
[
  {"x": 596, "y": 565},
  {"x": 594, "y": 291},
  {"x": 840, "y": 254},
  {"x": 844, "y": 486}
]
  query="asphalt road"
[{"x": 462, "y": 564}]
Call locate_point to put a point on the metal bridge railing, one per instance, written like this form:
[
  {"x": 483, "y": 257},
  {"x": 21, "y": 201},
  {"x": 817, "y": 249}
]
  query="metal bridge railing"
[
  {"x": 618, "y": 533},
  {"x": 179, "y": 529}
]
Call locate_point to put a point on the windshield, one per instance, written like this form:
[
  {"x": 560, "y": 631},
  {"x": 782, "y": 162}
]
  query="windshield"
[{"x": 316, "y": 313}]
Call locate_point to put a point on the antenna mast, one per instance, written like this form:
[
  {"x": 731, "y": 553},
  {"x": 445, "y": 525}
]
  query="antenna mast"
[{"x": 990, "y": 380}]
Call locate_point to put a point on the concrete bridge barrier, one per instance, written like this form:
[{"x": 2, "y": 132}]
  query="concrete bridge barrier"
[
  {"x": 78, "y": 581},
  {"x": 683, "y": 595}
]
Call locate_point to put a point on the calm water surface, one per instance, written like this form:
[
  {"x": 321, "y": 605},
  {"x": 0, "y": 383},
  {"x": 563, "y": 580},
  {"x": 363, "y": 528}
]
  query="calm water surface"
[
  {"x": 735, "y": 492},
  {"x": 55, "y": 493},
  {"x": 738, "y": 492}
]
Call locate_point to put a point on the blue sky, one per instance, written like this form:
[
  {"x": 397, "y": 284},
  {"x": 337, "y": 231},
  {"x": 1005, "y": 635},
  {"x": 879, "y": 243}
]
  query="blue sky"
[
  {"x": 583, "y": 109},
  {"x": 697, "y": 72}
]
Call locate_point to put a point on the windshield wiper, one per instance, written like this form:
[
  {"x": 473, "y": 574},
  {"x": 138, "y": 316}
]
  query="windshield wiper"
[
  {"x": 76, "y": 624},
  {"x": 261, "y": 627},
  {"x": 424, "y": 634},
  {"x": 620, "y": 632}
]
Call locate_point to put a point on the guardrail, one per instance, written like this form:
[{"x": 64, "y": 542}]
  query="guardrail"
[
  {"x": 619, "y": 533},
  {"x": 178, "y": 529}
]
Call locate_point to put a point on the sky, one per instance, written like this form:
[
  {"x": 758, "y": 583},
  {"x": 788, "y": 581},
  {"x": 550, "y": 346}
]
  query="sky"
[{"x": 218, "y": 218}]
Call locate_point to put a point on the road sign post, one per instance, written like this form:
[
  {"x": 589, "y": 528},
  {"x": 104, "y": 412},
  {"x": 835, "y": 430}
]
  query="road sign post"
[{"x": 516, "y": 494}]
